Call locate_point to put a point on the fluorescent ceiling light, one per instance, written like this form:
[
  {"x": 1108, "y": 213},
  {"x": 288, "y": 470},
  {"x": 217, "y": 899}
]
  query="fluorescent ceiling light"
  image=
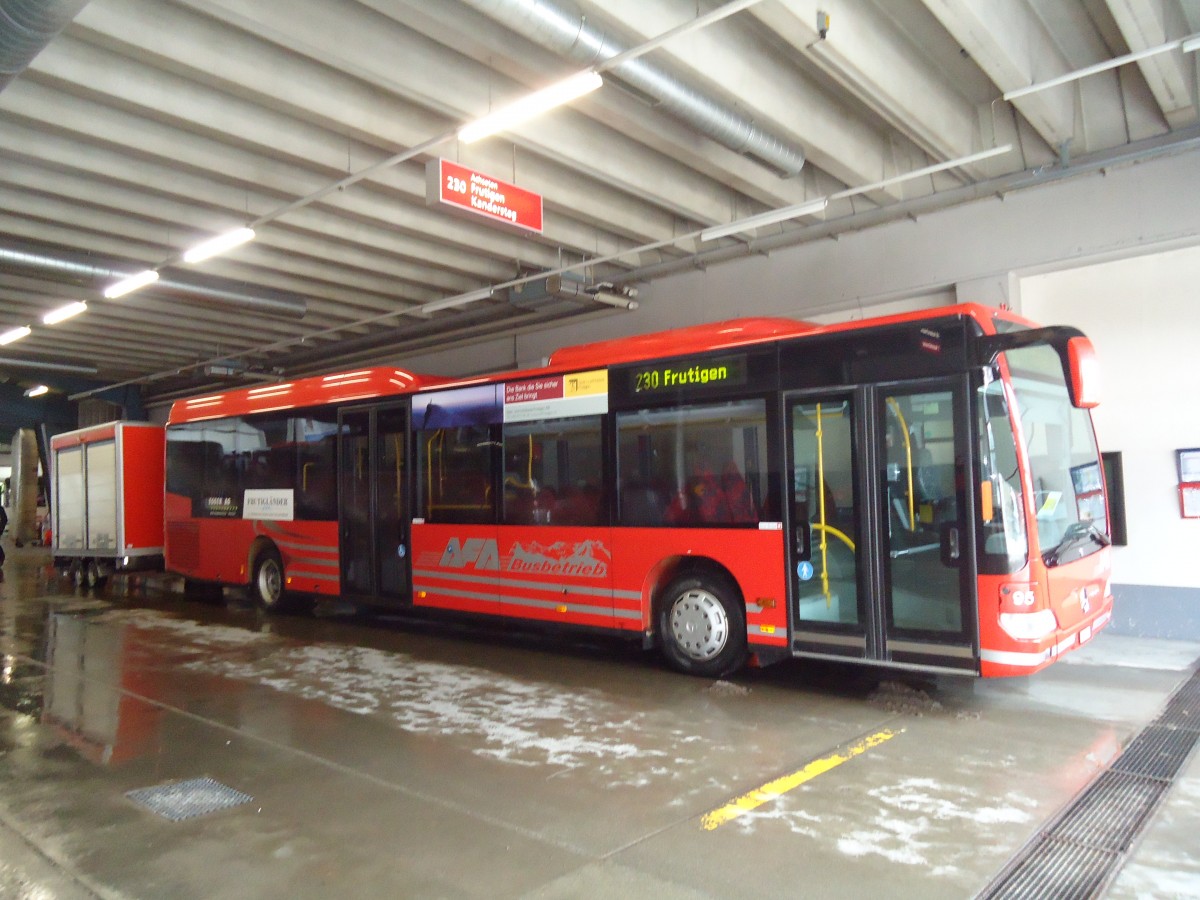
[
  {"x": 15, "y": 335},
  {"x": 762, "y": 219},
  {"x": 1187, "y": 46},
  {"x": 919, "y": 173},
  {"x": 532, "y": 105},
  {"x": 218, "y": 244},
  {"x": 132, "y": 283},
  {"x": 37, "y": 391},
  {"x": 458, "y": 300},
  {"x": 64, "y": 312}
]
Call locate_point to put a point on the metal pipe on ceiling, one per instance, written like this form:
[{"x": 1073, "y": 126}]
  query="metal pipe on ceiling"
[
  {"x": 563, "y": 28},
  {"x": 16, "y": 363},
  {"x": 212, "y": 290},
  {"x": 26, "y": 27}
]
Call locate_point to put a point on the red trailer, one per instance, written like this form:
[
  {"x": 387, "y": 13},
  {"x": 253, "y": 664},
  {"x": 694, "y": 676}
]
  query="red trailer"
[{"x": 108, "y": 499}]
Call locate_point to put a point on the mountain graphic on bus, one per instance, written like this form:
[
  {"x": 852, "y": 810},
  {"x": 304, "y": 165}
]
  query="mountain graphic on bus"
[{"x": 586, "y": 559}]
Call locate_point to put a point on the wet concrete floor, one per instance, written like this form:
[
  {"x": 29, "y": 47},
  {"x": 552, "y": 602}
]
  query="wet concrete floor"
[{"x": 396, "y": 759}]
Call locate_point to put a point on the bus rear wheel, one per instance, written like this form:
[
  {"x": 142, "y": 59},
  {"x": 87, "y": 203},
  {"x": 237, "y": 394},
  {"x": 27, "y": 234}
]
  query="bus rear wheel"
[{"x": 703, "y": 626}]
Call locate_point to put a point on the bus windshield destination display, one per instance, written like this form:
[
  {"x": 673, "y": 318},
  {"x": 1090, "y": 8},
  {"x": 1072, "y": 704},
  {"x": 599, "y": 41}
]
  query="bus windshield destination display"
[{"x": 724, "y": 371}]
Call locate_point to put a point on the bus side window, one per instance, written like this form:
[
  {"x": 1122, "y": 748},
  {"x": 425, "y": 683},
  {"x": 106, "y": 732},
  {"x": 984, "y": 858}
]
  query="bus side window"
[
  {"x": 551, "y": 472},
  {"x": 1005, "y": 543},
  {"x": 454, "y": 475},
  {"x": 693, "y": 465}
]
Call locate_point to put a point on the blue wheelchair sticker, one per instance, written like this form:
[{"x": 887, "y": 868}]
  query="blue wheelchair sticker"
[{"x": 804, "y": 570}]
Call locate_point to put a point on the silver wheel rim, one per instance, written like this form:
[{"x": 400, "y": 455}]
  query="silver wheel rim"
[
  {"x": 270, "y": 582},
  {"x": 699, "y": 624}
]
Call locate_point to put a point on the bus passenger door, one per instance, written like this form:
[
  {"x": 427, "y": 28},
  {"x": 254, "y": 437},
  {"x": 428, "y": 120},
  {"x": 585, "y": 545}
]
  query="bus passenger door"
[
  {"x": 373, "y": 503},
  {"x": 927, "y": 545},
  {"x": 830, "y": 612},
  {"x": 881, "y": 553}
]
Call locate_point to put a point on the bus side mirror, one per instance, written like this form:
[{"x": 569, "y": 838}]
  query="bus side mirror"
[{"x": 1083, "y": 373}]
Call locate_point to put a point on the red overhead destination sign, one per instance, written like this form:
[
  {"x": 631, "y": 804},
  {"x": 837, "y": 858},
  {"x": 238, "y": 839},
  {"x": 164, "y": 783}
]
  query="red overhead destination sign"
[{"x": 457, "y": 187}]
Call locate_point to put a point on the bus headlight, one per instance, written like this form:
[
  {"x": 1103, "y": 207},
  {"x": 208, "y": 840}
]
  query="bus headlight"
[{"x": 1029, "y": 626}]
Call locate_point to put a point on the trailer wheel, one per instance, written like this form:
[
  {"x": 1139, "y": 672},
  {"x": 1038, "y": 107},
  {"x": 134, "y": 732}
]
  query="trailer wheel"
[
  {"x": 93, "y": 576},
  {"x": 703, "y": 626},
  {"x": 75, "y": 572}
]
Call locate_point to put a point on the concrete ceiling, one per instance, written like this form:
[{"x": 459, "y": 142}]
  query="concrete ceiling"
[{"x": 147, "y": 125}]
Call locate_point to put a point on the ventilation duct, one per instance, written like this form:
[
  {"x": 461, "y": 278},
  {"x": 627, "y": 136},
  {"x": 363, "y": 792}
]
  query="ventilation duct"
[
  {"x": 212, "y": 290},
  {"x": 564, "y": 29},
  {"x": 26, "y": 27}
]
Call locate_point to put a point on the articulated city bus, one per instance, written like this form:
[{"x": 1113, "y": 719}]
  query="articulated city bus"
[{"x": 921, "y": 491}]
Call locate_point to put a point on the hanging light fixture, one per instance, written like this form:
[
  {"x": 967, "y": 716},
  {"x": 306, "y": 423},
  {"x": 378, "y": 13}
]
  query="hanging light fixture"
[
  {"x": 130, "y": 284},
  {"x": 15, "y": 334},
  {"x": 532, "y": 105},
  {"x": 219, "y": 244},
  {"x": 64, "y": 312}
]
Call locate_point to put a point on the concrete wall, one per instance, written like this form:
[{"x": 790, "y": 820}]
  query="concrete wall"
[{"x": 1143, "y": 315}]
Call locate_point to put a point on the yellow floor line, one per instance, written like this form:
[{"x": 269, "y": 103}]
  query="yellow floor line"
[{"x": 774, "y": 789}]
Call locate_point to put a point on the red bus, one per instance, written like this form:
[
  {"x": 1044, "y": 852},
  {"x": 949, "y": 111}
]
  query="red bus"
[{"x": 921, "y": 491}]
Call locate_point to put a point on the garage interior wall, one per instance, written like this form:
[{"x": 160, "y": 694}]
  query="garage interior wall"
[
  {"x": 973, "y": 252},
  {"x": 1143, "y": 316},
  {"x": 1097, "y": 251}
]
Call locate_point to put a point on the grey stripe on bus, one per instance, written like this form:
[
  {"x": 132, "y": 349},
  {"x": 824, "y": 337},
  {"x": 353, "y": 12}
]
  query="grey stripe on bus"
[
  {"x": 775, "y": 631},
  {"x": 501, "y": 581},
  {"x": 316, "y": 576},
  {"x": 530, "y": 602},
  {"x": 315, "y": 561},
  {"x": 842, "y": 640},
  {"x": 931, "y": 649}
]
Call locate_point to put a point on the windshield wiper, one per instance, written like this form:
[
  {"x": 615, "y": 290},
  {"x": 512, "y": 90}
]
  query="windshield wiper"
[{"x": 1075, "y": 532}]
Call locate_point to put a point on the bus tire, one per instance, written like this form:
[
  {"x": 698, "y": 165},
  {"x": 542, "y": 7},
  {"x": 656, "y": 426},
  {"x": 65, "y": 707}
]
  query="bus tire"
[
  {"x": 702, "y": 624},
  {"x": 266, "y": 583}
]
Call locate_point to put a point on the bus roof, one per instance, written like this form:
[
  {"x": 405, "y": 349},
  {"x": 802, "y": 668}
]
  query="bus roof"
[
  {"x": 678, "y": 342},
  {"x": 369, "y": 383},
  {"x": 320, "y": 390},
  {"x": 737, "y": 332}
]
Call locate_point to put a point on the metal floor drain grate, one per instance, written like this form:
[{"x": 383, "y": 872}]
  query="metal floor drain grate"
[
  {"x": 1060, "y": 870},
  {"x": 1158, "y": 752},
  {"x": 188, "y": 799},
  {"x": 1110, "y": 812},
  {"x": 1076, "y": 854},
  {"x": 1184, "y": 709}
]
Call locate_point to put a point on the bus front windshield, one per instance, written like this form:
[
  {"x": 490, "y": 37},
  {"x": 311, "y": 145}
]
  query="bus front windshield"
[{"x": 1064, "y": 463}]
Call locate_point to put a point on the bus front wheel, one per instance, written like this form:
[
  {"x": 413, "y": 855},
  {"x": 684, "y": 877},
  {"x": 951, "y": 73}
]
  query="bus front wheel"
[
  {"x": 267, "y": 581},
  {"x": 703, "y": 626}
]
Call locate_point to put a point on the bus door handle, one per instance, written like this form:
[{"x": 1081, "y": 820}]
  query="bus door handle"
[
  {"x": 951, "y": 544},
  {"x": 803, "y": 542}
]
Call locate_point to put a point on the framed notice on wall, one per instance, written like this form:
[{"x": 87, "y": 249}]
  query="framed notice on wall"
[{"x": 1189, "y": 482}]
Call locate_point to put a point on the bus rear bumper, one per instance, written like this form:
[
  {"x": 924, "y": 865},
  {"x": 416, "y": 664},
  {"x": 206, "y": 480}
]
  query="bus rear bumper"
[{"x": 1009, "y": 662}]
